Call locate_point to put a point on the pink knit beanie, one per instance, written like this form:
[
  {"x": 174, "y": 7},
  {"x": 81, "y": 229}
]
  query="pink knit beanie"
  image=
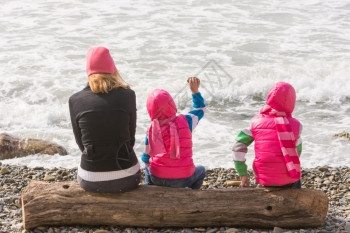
[{"x": 99, "y": 60}]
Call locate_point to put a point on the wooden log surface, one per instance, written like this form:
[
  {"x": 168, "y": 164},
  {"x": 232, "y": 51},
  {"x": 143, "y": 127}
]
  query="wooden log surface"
[{"x": 65, "y": 203}]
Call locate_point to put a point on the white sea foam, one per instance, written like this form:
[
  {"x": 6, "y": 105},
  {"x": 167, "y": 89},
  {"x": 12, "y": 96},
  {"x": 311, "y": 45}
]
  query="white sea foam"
[{"x": 238, "y": 49}]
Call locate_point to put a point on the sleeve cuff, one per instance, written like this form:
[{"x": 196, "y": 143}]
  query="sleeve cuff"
[
  {"x": 198, "y": 101},
  {"x": 145, "y": 158},
  {"x": 241, "y": 168}
]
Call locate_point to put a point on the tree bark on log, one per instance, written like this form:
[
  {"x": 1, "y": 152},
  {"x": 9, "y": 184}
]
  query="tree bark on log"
[{"x": 65, "y": 203}]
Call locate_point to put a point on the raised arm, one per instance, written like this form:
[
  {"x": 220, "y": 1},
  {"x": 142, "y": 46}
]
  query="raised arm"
[{"x": 197, "y": 113}]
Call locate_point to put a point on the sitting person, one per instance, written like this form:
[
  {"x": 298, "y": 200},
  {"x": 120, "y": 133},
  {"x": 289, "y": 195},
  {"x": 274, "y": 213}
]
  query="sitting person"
[
  {"x": 168, "y": 155},
  {"x": 277, "y": 142},
  {"x": 103, "y": 117}
]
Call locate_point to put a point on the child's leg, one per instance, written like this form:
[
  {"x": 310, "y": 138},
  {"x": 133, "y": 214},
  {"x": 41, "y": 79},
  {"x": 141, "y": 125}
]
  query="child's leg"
[
  {"x": 148, "y": 180},
  {"x": 195, "y": 181},
  {"x": 198, "y": 177},
  {"x": 296, "y": 185}
]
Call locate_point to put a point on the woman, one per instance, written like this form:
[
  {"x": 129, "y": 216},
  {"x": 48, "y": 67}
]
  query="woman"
[{"x": 103, "y": 117}]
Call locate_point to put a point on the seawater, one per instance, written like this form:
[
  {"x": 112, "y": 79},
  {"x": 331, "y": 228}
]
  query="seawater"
[{"x": 238, "y": 49}]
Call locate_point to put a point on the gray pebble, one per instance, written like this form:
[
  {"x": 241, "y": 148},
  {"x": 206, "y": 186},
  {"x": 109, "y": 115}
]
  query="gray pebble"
[
  {"x": 214, "y": 230},
  {"x": 347, "y": 226},
  {"x": 277, "y": 230}
]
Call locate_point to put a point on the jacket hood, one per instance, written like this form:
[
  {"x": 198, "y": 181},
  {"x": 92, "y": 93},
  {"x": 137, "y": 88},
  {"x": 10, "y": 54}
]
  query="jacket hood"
[
  {"x": 282, "y": 97},
  {"x": 160, "y": 105}
]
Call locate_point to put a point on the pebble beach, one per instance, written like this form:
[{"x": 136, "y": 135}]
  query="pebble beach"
[{"x": 334, "y": 181}]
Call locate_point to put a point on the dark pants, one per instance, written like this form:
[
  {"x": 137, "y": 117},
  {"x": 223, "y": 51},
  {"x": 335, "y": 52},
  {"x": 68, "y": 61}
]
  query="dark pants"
[
  {"x": 195, "y": 181},
  {"x": 296, "y": 185}
]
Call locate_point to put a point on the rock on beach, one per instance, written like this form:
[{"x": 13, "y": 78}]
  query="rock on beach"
[
  {"x": 343, "y": 135},
  {"x": 11, "y": 147}
]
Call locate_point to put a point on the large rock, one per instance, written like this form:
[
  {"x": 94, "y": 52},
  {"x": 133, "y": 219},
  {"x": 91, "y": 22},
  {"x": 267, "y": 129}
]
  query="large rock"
[{"x": 11, "y": 147}]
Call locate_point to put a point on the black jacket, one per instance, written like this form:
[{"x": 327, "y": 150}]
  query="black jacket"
[{"x": 104, "y": 128}]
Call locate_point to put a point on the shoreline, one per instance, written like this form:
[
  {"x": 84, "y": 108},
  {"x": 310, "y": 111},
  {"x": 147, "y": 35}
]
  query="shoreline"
[{"x": 334, "y": 181}]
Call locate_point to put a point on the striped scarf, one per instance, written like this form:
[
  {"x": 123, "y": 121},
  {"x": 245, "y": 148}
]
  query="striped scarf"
[
  {"x": 155, "y": 138},
  {"x": 286, "y": 139}
]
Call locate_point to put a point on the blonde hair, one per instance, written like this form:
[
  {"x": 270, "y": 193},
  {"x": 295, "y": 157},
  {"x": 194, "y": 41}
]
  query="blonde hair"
[{"x": 104, "y": 83}]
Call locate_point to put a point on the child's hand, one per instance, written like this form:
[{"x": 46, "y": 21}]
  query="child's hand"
[
  {"x": 194, "y": 84},
  {"x": 244, "y": 181}
]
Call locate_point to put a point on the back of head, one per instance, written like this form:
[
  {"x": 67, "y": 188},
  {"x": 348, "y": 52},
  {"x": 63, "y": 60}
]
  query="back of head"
[
  {"x": 282, "y": 97},
  {"x": 160, "y": 105},
  {"x": 103, "y": 75}
]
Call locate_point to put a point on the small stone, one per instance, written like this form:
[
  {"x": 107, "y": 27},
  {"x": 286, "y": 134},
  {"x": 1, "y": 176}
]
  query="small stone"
[
  {"x": 327, "y": 182},
  {"x": 4, "y": 170},
  {"x": 231, "y": 183},
  {"x": 205, "y": 184},
  {"x": 105, "y": 231},
  {"x": 231, "y": 230},
  {"x": 323, "y": 169},
  {"x": 347, "y": 226},
  {"x": 15, "y": 190},
  {"x": 277, "y": 230},
  {"x": 42, "y": 228},
  {"x": 318, "y": 180},
  {"x": 18, "y": 203},
  {"x": 217, "y": 183},
  {"x": 187, "y": 230},
  {"x": 49, "y": 178},
  {"x": 200, "y": 229},
  {"x": 214, "y": 230}
]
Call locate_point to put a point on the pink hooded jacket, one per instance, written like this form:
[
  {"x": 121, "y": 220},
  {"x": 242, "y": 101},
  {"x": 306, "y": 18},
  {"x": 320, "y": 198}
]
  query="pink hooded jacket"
[
  {"x": 170, "y": 139},
  {"x": 271, "y": 165}
]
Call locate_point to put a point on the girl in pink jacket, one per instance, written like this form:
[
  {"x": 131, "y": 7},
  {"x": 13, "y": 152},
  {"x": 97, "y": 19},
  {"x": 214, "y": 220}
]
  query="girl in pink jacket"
[
  {"x": 168, "y": 143},
  {"x": 277, "y": 141}
]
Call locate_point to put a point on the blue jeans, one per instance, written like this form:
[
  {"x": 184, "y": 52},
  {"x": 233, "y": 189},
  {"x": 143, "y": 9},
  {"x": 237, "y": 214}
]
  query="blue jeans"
[
  {"x": 194, "y": 182},
  {"x": 296, "y": 185}
]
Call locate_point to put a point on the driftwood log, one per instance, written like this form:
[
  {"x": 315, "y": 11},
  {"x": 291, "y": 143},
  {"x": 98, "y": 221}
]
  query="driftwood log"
[
  {"x": 11, "y": 147},
  {"x": 65, "y": 203}
]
